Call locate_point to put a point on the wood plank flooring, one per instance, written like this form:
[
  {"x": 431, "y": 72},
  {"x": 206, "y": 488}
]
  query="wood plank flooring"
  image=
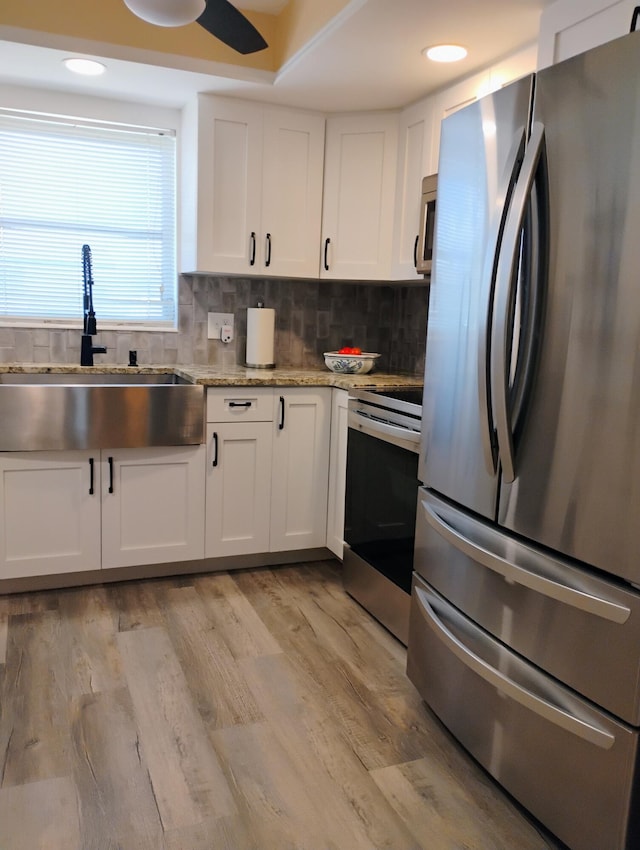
[{"x": 257, "y": 710}]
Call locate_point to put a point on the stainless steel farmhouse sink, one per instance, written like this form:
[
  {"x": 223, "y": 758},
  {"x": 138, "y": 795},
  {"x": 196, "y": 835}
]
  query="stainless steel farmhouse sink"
[{"x": 53, "y": 411}]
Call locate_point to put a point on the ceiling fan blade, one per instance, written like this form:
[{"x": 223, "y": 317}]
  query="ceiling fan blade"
[{"x": 225, "y": 22}]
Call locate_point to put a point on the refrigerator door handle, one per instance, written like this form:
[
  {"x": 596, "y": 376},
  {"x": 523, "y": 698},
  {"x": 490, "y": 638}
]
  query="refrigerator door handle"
[
  {"x": 538, "y": 703},
  {"x": 505, "y": 282},
  {"x": 494, "y": 242},
  {"x": 576, "y": 597}
]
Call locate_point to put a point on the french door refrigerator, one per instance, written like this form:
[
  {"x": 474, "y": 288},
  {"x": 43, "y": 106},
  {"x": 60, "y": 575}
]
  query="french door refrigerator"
[{"x": 525, "y": 621}]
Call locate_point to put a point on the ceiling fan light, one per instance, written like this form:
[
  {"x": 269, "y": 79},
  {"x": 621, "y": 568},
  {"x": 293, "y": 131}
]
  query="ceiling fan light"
[{"x": 167, "y": 13}]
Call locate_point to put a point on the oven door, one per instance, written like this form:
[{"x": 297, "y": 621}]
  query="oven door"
[{"x": 380, "y": 516}]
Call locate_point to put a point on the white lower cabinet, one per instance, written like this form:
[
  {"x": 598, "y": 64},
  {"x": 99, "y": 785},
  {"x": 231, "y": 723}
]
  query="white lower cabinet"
[
  {"x": 267, "y": 491},
  {"x": 50, "y": 513},
  {"x": 260, "y": 484},
  {"x": 68, "y": 511},
  {"x": 299, "y": 483},
  {"x": 337, "y": 471},
  {"x": 238, "y": 488},
  {"x": 152, "y": 505}
]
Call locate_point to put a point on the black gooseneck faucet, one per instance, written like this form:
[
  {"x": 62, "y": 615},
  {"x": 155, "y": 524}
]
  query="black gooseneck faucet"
[{"x": 89, "y": 328}]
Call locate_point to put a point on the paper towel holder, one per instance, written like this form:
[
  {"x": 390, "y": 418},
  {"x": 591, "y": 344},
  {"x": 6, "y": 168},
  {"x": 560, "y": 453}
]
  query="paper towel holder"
[{"x": 260, "y": 337}]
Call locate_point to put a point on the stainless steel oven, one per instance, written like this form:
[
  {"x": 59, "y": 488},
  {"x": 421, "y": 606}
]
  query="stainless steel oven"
[{"x": 380, "y": 505}]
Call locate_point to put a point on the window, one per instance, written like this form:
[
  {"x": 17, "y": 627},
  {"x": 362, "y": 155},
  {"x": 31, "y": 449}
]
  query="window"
[{"x": 65, "y": 183}]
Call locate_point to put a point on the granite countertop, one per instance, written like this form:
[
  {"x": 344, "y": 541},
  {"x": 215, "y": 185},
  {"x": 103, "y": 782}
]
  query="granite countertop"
[{"x": 219, "y": 376}]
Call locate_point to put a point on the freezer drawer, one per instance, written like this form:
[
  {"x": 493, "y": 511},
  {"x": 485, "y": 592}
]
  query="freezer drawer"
[
  {"x": 576, "y": 625},
  {"x": 570, "y": 764}
]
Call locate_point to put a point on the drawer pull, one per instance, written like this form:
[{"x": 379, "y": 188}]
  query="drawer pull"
[{"x": 246, "y": 404}]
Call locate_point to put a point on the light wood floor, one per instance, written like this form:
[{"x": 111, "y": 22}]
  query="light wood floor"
[{"x": 261, "y": 709}]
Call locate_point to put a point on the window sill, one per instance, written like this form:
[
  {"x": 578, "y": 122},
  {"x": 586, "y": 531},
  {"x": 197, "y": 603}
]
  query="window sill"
[{"x": 53, "y": 325}]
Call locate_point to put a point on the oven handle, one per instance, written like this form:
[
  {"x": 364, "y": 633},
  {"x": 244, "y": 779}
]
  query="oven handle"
[{"x": 389, "y": 433}]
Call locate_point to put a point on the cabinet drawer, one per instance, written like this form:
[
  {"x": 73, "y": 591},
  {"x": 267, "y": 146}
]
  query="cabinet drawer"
[
  {"x": 579, "y": 627},
  {"x": 234, "y": 404},
  {"x": 569, "y": 763}
]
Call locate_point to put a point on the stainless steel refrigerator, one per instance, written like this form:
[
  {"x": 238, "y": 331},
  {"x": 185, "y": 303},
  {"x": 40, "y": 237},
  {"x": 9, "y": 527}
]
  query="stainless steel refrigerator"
[{"x": 525, "y": 621}]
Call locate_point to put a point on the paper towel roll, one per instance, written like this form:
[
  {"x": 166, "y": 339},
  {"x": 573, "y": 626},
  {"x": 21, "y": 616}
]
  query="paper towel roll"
[{"x": 261, "y": 323}]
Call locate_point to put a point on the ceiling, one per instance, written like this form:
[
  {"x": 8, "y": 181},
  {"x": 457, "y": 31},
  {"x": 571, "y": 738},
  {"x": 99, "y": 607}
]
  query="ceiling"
[{"x": 368, "y": 57}]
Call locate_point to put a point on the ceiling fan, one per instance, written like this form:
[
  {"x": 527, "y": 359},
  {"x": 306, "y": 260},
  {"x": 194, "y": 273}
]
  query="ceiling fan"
[{"x": 219, "y": 17}]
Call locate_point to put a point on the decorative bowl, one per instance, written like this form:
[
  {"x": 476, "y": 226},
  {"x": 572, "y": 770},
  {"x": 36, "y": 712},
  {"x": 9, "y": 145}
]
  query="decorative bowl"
[{"x": 350, "y": 364}]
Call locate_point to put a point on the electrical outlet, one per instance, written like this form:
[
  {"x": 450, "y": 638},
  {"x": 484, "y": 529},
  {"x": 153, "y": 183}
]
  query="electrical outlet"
[{"x": 216, "y": 321}]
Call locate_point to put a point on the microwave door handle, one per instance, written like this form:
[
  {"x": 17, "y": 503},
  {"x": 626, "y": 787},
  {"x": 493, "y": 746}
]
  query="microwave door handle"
[
  {"x": 540, "y": 703},
  {"x": 494, "y": 242},
  {"x": 506, "y": 275}
]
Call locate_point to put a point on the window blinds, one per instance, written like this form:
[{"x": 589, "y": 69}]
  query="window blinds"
[{"x": 64, "y": 183}]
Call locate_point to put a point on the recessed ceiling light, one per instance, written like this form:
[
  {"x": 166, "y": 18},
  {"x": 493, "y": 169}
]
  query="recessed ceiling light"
[
  {"x": 88, "y": 67},
  {"x": 445, "y": 52}
]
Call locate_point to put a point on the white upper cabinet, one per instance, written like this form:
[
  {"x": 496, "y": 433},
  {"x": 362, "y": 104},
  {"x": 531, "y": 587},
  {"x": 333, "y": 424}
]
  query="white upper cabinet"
[
  {"x": 414, "y": 162},
  {"x": 293, "y": 157},
  {"x": 251, "y": 188},
  {"x": 569, "y": 27},
  {"x": 359, "y": 191}
]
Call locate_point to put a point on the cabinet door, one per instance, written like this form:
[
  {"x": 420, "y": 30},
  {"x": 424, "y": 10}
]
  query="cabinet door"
[
  {"x": 357, "y": 224},
  {"x": 229, "y": 139},
  {"x": 414, "y": 152},
  {"x": 300, "y": 463},
  {"x": 50, "y": 512},
  {"x": 337, "y": 471},
  {"x": 238, "y": 488},
  {"x": 152, "y": 505},
  {"x": 568, "y": 27},
  {"x": 293, "y": 155}
]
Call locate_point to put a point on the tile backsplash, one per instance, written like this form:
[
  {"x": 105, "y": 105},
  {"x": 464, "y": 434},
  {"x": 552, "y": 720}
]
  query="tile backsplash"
[{"x": 312, "y": 316}]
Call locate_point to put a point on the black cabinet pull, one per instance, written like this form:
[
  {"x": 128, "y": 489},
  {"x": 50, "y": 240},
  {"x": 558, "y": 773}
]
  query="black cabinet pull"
[
  {"x": 239, "y": 404},
  {"x": 281, "y": 423},
  {"x": 415, "y": 252},
  {"x": 252, "y": 260},
  {"x": 215, "y": 449},
  {"x": 326, "y": 248},
  {"x": 267, "y": 262},
  {"x": 91, "y": 465},
  {"x": 634, "y": 19},
  {"x": 111, "y": 475}
]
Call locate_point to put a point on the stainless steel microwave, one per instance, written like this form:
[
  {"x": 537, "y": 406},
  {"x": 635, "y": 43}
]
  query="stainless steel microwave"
[{"x": 424, "y": 245}]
